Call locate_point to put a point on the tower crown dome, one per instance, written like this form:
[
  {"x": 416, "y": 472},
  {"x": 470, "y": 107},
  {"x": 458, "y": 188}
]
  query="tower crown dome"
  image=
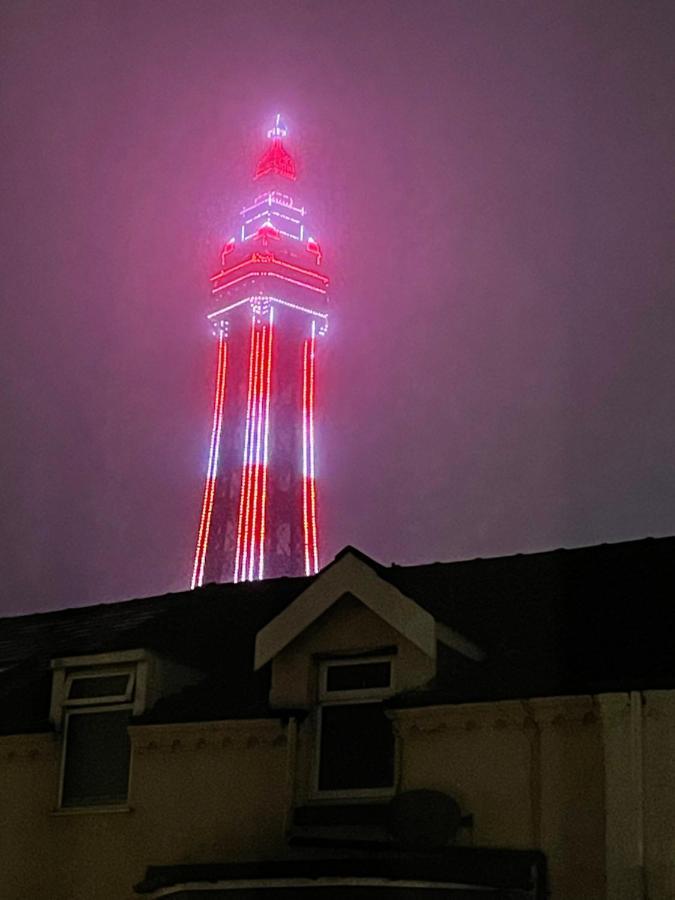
[{"x": 276, "y": 160}]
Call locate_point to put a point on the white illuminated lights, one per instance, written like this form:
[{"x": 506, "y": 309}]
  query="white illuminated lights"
[
  {"x": 212, "y": 468},
  {"x": 271, "y": 286}
]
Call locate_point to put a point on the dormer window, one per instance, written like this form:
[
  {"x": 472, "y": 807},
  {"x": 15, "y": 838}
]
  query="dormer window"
[
  {"x": 355, "y": 741},
  {"x": 93, "y": 699},
  {"x": 101, "y": 686}
]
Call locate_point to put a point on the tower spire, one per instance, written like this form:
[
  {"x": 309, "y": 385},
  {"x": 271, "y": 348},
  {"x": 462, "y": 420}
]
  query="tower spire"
[
  {"x": 278, "y": 130},
  {"x": 276, "y": 160}
]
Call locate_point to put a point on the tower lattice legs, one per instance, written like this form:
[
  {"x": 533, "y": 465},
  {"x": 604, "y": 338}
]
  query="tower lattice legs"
[
  {"x": 311, "y": 544},
  {"x": 212, "y": 468},
  {"x": 249, "y": 560}
]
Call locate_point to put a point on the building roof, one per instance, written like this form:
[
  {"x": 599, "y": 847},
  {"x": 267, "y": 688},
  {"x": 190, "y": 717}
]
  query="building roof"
[{"x": 586, "y": 620}]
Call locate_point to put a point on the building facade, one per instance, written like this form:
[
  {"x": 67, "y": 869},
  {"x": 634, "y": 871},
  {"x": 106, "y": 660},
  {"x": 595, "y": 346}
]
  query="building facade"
[
  {"x": 498, "y": 728},
  {"x": 269, "y": 307}
]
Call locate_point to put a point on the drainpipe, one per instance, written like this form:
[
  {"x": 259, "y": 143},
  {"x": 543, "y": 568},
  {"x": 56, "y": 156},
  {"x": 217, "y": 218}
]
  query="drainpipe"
[
  {"x": 637, "y": 778},
  {"x": 290, "y": 772},
  {"x": 532, "y": 731}
]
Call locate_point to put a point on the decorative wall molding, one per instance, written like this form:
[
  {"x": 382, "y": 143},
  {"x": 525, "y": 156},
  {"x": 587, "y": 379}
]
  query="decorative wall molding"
[
  {"x": 248, "y": 734},
  {"x": 659, "y": 705},
  {"x": 22, "y": 747},
  {"x": 614, "y": 708},
  {"x": 431, "y": 721},
  {"x": 581, "y": 709}
]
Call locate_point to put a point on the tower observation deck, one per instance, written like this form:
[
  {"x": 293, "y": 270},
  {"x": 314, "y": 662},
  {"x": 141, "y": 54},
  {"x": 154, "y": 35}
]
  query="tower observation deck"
[{"x": 269, "y": 307}]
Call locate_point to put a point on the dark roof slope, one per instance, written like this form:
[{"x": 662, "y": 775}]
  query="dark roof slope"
[
  {"x": 169, "y": 622},
  {"x": 212, "y": 629},
  {"x": 566, "y": 621}
]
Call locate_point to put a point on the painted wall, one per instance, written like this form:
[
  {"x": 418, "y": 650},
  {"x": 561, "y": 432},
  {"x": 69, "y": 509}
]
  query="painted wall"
[
  {"x": 567, "y": 775},
  {"x": 199, "y": 793},
  {"x": 530, "y": 774}
]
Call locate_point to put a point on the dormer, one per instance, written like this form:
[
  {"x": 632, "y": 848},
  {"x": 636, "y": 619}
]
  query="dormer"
[
  {"x": 339, "y": 651},
  {"x": 350, "y": 609},
  {"x": 94, "y": 699}
]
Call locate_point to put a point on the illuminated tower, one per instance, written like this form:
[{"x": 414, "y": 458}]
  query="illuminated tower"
[{"x": 269, "y": 306}]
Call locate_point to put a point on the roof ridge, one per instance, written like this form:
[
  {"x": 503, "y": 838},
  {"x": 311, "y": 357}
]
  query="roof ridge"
[
  {"x": 77, "y": 610},
  {"x": 605, "y": 545},
  {"x": 241, "y": 588},
  {"x": 212, "y": 587}
]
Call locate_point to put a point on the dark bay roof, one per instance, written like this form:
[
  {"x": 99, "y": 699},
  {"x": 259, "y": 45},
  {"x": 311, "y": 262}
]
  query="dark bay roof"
[
  {"x": 567, "y": 621},
  {"x": 493, "y": 873}
]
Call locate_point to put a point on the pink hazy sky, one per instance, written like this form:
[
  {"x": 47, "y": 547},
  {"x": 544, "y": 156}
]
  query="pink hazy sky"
[{"x": 492, "y": 185}]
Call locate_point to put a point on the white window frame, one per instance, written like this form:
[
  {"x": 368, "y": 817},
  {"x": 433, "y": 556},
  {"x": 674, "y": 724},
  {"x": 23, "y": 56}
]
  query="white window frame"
[
  {"x": 358, "y": 696},
  {"x": 68, "y": 670},
  {"x": 103, "y": 664},
  {"x": 113, "y": 707},
  {"x": 80, "y": 675}
]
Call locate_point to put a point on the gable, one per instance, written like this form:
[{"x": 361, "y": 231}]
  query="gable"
[
  {"x": 352, "y": 575},
  {"x": 348, "y": 575},
  {"x": 348, "y": 630}
]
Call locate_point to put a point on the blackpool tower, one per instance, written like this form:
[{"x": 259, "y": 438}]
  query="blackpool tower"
[{"x": 269, "y": 306}]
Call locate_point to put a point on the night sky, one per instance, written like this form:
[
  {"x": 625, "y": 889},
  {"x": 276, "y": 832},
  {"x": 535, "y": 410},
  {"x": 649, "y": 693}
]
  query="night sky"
[{"x": 492, "y": 185}]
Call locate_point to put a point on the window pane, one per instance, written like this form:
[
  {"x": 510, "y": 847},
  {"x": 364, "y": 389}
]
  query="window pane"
[
  {"x": 357, "y": 747},
  {"x": 358, "y": 676},
  {"x": 97, "y": 751},
  {"x": 98, "y": 686}
]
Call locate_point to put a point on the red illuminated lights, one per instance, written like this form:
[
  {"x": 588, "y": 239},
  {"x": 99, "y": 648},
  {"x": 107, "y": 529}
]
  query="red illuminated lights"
[
  {"x": 266, "y": 434},
  {"x": 227, "y": 249},
  {"x": 212, "y": 469},
  {"x": 276, "y": 160},
  {"x": 263, "y": 264},
  {"x": 314, "y": 248},
  {"x": 311, "y": 545},
  {"x": 267, "y": 231},
  {"x": 242, "y": 494},
  {"x": 251, "y": 522},
  {"x": 259, "y": 514}
]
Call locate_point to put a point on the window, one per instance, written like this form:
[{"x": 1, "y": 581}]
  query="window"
[
  {"x": 355, "y": 743},
  {"x": 96, "y": 757},
  {"x": 93, "y": 705}
]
